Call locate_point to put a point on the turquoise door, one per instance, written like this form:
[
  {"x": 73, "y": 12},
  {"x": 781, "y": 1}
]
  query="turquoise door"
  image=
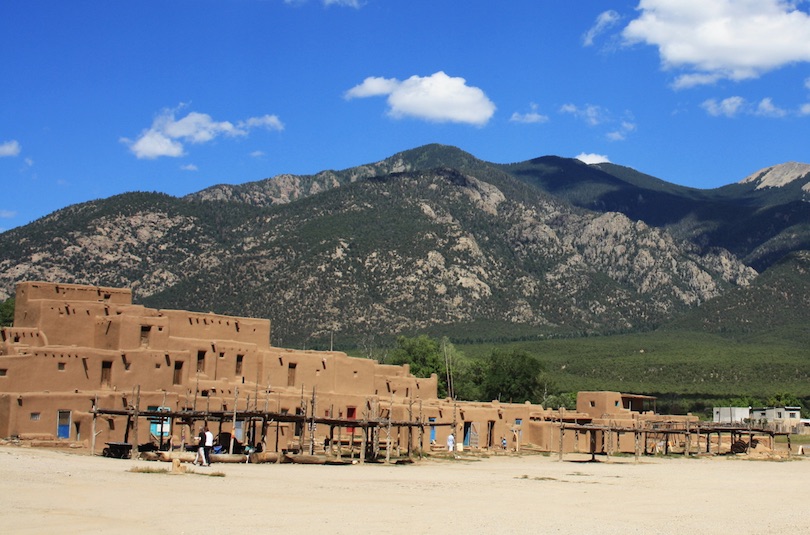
[
  {"x": 63, "y": 424},
  {"x": 432, "y": 430}
]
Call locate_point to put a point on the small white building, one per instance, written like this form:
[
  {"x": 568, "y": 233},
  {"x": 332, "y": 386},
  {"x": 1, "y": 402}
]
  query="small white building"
[
  {"x": 731, "y": 415},
  {"x": 784, "y": 418}
]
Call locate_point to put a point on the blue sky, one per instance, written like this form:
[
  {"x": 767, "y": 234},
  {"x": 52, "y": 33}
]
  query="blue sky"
[{"x": 100, "y": 97}]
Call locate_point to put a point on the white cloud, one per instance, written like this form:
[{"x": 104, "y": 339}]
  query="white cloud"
[
  {"x": 728, "y": 107},
  {"x": 593, "y": 115},
  {"x": 804, "y": 109},
  {"x": 735, "y": 106},
  {"x": 604, "y": 21},
  {"x": 722, "y": 39},
  {"x": 620, "y": 134},
  {"x": 189, "y": 167},
  {"x": 373, "y": 86},
  {"x": 766, "y": 108},
  {"x": 271, "y": 122},
  {"x": 530, "y": 117},
  {"x": 346, "y": 3},
  {"x": 167, "y": 134},
  {"x": 154, "y": 144},
  {"x": 7, "y": 214},
  {"x": 592, "y": 158},
  {"x": 257, "y": 154},
  {"x": 10, "y": 148},
  {"x": 438, "y": 97}
]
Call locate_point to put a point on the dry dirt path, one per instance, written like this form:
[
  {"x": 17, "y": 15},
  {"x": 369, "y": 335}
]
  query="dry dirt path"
[{"x": 47, "y": 491}]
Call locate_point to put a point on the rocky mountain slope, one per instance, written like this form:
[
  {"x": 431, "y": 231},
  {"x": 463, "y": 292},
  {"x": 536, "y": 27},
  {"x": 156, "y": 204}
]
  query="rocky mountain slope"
[
  {"x": 403, "y": 245},
  {"x": 760, "y": 219}
]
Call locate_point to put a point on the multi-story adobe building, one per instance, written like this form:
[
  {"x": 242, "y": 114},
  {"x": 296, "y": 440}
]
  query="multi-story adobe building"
[{"x": 74, "y": 350}]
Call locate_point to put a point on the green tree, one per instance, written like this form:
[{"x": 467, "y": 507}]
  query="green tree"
[
  {"x": 7, "y": 312},
  {"x": 783, "y": 399},
  {"x": 468, "y": 377},
  {"x": 424, "y": 356},
  {"x": 512, "y": 376}
]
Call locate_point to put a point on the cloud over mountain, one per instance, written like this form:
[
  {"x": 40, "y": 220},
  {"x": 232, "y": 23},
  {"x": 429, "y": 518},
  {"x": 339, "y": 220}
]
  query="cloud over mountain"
[
  {"x": 167, "y": 134},
  {"x": 438, "y": 98}
]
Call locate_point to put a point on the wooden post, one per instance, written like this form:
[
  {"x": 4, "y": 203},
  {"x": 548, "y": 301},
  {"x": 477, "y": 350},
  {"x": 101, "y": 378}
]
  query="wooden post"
[
  {"x": 312, "y": 424},
  {"x": 363, "y": 442},
  {"x": 93, "y": 438},
  {"x": 388, "y": 445},
  {"x": 562, "y": 434},
  {"x": 233, "y": 425},
  {"x": 410, "y": 428},
  {"x": 421, "y": 432},
  {"x": 134, "y": 452},
  {"x": 687, "y": 441},
  {"x": 302, "y": 436}
]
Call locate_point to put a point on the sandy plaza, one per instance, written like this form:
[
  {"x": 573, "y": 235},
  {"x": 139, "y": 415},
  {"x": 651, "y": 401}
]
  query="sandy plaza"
[{"x": 47, "y": 491}]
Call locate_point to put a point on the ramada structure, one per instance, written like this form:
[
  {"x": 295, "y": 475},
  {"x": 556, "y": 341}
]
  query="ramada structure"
[{"x": 83, "y": 365}]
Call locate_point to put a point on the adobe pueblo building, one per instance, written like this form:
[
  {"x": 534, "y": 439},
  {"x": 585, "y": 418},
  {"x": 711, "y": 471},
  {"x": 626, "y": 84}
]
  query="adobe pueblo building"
[{"x": 84, "y": 366}]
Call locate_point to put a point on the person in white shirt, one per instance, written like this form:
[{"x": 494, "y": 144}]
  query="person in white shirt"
[
  {"x": 209, "y": 445},
  {"x": 451, "y": 442}
]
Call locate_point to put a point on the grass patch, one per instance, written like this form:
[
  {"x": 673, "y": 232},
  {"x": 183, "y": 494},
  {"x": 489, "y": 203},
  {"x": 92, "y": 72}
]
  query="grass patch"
[{"x": 148, "y": 470}]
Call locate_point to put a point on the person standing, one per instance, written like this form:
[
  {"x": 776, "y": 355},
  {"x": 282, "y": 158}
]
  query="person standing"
[
  {"x": 200, "y": 457},
  {"x": 209, "y": 445},
  {"x": 451, "y": 442}
]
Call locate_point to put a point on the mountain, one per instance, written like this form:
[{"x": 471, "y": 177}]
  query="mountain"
[
  {"x": 775, "y": 304},
  {"x": 759, "y": 219},
  {"x": 403, "y": 245}
]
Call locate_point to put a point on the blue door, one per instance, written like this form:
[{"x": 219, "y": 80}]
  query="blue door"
[
  {"x": 63, "y": 424},
  {"x": 160, "y": 427},
  {"x": 432, "y": 430}
]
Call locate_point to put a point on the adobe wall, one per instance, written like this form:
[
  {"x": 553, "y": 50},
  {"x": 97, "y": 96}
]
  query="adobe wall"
[{"x": 73, "y": 346}]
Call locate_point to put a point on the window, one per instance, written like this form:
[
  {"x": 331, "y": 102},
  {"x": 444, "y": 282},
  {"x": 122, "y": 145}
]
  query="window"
[
  {"x": 200, "y": 361},
  {"x": 35, "y": 416},
  {"x": 106, "y": 373},
  {"x": 291, "y": 374},
  {"x": 3, "y": 372},
  {"x": 239, "y": 359},
  {"x": 145, "y": 330},
  {"x": 60, "y": 366},
  {"x": 177, "y": 378}
]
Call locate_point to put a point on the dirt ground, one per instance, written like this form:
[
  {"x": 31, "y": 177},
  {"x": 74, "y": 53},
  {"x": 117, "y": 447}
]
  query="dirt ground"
[{"x": 50, "y": 491}]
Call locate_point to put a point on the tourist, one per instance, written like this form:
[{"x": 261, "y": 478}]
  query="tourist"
[
  {"x": 200, "y": 456},
  {"x": 209, "y": 445},
  {"x": 451, "y": 442}
]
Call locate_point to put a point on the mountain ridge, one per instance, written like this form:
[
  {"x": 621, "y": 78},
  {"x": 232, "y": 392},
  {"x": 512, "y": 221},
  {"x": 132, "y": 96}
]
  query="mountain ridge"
[{"x": 429, "y": 238}]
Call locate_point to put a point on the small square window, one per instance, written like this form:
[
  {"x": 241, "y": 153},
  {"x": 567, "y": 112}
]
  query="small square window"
[
  {"x": 60, "y": 366},
  {"x": 34, "y": 416},
  {"x": 3, "y": 372}
]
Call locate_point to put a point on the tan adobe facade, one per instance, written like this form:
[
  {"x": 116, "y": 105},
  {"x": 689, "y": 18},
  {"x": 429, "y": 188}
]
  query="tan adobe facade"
[{"x": 75, "y": 348}]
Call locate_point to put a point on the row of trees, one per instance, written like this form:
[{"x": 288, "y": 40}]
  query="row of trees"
[{"x": 508, "y": 375}]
